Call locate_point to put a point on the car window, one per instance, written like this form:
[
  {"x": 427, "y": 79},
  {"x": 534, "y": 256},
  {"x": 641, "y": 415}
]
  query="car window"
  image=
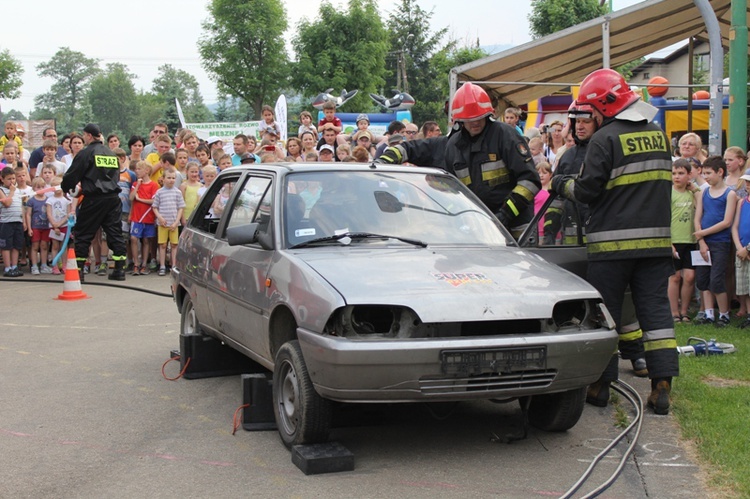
[
  {"x": 253, "y": 204},
  {"x": 434, "y": 209},
  {"x": 211, "y": 208}
]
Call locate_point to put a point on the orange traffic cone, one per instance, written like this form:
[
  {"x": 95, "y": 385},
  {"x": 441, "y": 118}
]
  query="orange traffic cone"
[{"x": 72, "y": 285}]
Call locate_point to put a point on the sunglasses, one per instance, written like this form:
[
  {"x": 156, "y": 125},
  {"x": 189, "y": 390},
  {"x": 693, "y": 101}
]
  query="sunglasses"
[{"x": 410, "y": 133}]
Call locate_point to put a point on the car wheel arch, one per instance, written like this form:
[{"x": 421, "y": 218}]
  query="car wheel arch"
[{"x": 282, "y": 327}]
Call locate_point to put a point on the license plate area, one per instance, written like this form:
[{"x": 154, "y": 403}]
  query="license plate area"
[{"x": 502, "y": 360}]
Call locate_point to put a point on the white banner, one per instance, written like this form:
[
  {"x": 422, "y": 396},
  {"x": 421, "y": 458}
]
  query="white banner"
[
  {"x": 225, "y": 131},
  {"x": 280, "y": 112}
]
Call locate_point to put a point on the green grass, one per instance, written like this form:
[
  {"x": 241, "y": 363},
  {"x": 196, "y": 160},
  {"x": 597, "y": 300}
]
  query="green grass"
[{"x": 711, "y": 401}]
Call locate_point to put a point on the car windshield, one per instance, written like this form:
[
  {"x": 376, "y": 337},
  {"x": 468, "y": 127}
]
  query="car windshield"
[{"x": 395, "y": 206}]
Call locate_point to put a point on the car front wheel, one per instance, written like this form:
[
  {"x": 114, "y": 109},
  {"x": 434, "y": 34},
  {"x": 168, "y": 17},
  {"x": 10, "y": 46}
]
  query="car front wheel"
[
  {"x": 302, "y": 416},
  {"x": 557, "y": 411}
]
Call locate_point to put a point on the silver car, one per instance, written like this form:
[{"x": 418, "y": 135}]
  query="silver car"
[{"x": 374, "y": 283}]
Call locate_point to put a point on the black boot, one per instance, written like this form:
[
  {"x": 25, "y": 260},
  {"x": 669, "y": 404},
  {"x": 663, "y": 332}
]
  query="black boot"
[
  {"x": 659, "y": 399},
  {"x": 80, "y": 264},
  {"x": 639, "y": 367},
  {"x": 598, "y": 393},
  {"x": 118, "y": 274}
]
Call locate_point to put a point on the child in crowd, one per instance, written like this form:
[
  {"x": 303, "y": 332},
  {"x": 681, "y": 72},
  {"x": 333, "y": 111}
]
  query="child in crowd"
[
  {"x": 682, "y": 282},
  {"x": 49, "y": 147},
  {"x": 189, "y": 190},
  {"x": 329, "y": 121},
  {"x": 536, "y": 149},
  {"x": 163, "y": 144},
  {"x": 37, "y": 225},
  {"x": 11, "y": 155},
  {"x": 26, "y": 192},
  {"x": 191, "y": 146},
  {"x": 11, "y": 135},
  {"x": 311, "y": 156},
  {"x": 142, "y": 217},
  {"x": 12, "y": 222},
  {"x": 266, "y": 112},
  {"x": 58, "y": 209},
  {"x": 512, "y": 117},
  {"x": 125, "y": 182},
  {"x": 545, "y": 175},
  {"x": 306, "y": 119},
  {"x": 204, "y": 158},
  {"x": 209, "y": 173},
  {"x": 714, "y": 213},
  {"x": 225, "y": 161},
  {"x": 181, "y": 161},
  {"x": 741, "y": 238},
  {"x": 48, "y": 173},
  {"x": 168, "y": 206},
  {"x": 342, "y": 152}
]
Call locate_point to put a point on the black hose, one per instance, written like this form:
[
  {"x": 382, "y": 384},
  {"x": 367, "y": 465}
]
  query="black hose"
[{"x": 107, "y": 284}]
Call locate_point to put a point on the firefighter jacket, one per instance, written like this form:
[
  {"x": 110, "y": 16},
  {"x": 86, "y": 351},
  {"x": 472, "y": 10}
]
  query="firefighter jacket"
[
  {"x": 497, "y": 167},
  {"x": 96, "y": 168},
  {"x": 425, "y": 152},
  {"x": 626, "y": 180}
]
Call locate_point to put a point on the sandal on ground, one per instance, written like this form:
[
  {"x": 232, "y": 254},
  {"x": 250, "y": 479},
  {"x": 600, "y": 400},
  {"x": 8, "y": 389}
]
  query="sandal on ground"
[
  {"x": 685, "y": 318},
  {"x": 677, "y": 318}
]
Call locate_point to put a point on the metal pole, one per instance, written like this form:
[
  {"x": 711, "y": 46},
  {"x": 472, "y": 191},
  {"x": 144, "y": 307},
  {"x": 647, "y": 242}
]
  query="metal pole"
[
  {"x": 691, "y": 46},
  {"x": 717, "y": 72},
  {"x": 605, "y": 43},
  {"x": 738, "y": 75}
]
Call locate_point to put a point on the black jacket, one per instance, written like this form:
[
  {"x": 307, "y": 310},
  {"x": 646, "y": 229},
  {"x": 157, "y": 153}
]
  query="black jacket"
[{"x": 96, "y": 168}]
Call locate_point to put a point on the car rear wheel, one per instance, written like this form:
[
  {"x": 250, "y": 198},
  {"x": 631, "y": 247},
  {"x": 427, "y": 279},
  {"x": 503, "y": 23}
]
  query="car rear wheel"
[
  {"x": 302, "y": 416},
  {"x": 557, "y": 411},
  {"x": 188, "y": 319}
]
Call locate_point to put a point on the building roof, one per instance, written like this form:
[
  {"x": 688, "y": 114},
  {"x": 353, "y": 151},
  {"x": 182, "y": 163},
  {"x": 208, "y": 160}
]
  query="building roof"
[{"x": 566, "y": 57}]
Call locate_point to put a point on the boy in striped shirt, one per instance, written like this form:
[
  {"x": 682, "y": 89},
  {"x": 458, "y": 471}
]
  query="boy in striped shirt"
[{"x": 168, "y": 206}]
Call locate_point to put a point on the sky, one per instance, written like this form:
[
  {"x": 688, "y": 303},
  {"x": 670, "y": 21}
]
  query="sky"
[{"x": 143, "y": 37}]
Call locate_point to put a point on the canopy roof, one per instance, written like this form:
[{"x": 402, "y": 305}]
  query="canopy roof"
[{"x": 568, "y": 56}]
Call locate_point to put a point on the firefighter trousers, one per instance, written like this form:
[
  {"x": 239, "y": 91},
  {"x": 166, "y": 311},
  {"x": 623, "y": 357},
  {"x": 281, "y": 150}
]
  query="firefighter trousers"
[{"x": 95, "y": 212}]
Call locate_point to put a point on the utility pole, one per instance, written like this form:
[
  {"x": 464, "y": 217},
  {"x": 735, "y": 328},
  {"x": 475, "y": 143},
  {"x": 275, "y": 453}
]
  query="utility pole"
[{"x": 738, "y": 75}]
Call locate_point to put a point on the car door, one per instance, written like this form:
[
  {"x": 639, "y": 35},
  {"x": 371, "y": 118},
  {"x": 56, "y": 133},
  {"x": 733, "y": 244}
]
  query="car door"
[
  {"x": 238, "y": 295},
  {"x": 198, "y": 243}
]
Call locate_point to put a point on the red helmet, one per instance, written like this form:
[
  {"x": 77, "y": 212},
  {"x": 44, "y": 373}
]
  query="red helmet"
[
  {"x": 580, "y": 111},
  {"x": 607, "y": 91},
  {"x": 471, "y": 102}
]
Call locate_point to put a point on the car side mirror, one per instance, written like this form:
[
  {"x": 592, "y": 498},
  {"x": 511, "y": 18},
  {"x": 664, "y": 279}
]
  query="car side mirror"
[
  {"x": 387, "y": 202},
  {"x": 242, "y": 234}
]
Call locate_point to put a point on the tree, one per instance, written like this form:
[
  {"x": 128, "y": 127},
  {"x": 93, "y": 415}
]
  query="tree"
[
  {"x": 14, "y": 115},
  {"x": 342, "y": 49},
  {"x": 112, "y": 98},
  {"x": 242, "y": 49},
  {"x": 72, "y": 72},
  {"x": 171, "y": 84},
  {"x": 550, "y": 16},
  {"x": 414, "y": 45},
  {"x": 10, "y": 76}
]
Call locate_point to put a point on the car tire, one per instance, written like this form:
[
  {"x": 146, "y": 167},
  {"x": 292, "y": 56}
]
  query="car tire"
[
  {"x": 188, "y": 319},
  {"x": 557, "y": 411},
  {"x": 302, "y": 416}
]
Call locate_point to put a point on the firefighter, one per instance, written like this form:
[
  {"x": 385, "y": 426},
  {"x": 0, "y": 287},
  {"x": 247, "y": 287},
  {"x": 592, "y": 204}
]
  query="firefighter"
[
  {"x": 626, "y": 182},
  {"x": 574, "y": 215},
  {"x": 97, "y": 169},
  {"x": 489, "y": 157}
]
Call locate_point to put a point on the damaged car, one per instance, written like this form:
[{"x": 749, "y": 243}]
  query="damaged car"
[{"x": 370, "y": 283}]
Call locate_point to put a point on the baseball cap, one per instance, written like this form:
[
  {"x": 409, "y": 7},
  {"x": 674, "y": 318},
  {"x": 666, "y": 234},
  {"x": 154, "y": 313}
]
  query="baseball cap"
[
  {"x": 362, "y": 117},
  {"x": 247, "y": 157},
  {"x": 92, "y": 129},
  {"x": 271, "y": 130},
  {"x": 326, "y": 147},
  {"x": 213, "y": 140}
]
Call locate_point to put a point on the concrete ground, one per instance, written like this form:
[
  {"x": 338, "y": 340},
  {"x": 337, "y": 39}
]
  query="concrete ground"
[{"x": 85, "y": 412}]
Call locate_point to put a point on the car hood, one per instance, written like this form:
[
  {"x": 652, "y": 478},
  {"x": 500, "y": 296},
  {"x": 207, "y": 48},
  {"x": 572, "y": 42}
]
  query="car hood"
[{"x": 454, "y": 284}]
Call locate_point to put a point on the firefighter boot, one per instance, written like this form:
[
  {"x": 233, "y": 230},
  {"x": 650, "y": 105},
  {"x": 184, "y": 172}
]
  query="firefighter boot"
[
  {"x": 598, "y": 393},
  {"x": 659, "y": 398},
  {"x": 639, "y": 367},
  {"x": 80, "y": 264},
  {"x": 118, "y": 274}
]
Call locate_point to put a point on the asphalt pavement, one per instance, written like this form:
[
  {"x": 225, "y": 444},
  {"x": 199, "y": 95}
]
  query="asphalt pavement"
[{"x": 85, "y": 412}]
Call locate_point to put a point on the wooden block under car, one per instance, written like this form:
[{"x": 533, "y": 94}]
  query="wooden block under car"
[{"x": 328, "y": 457}]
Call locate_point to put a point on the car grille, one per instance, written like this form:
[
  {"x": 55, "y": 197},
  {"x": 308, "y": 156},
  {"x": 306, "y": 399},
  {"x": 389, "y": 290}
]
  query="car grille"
[{"x": 487, "y": 382}]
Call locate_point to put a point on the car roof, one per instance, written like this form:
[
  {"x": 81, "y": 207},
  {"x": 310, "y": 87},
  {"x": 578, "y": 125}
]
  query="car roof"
[{"x": 281, "y": 168}]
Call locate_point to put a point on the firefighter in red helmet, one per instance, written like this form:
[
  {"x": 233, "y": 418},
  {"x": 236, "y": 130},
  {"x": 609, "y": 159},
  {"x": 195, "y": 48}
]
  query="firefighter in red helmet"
[
  {"x": 626, "y": 182},
  {"x": 492, "y": 159}
]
